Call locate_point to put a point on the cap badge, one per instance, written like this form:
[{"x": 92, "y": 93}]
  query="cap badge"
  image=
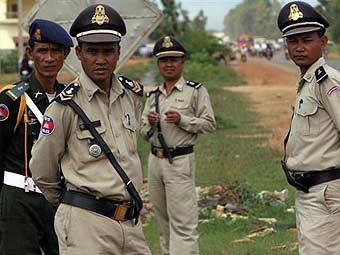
[
  {"x": 167, "y": 42},
  {"x": 295, "y": 13},
  {"x": 37, "y": 34},
  {"x": 99, "y": 16}
]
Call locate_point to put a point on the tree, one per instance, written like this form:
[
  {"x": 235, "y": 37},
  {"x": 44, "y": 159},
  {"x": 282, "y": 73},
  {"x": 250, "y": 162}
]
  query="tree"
[
  {"x": 335, "y": 21},
  {"x": 191, "y": 33},
  {"x": 256, "y": 17},
  {"x": 175, "y": 20}
]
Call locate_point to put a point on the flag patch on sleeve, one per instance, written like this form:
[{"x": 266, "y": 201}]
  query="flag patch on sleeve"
[
  {"x": 47, "y": 127},
  {"x": 332, "y": 90}
]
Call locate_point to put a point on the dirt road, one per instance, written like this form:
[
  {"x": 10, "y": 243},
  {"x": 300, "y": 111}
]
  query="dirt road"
[{"x": 272, "y": 89}]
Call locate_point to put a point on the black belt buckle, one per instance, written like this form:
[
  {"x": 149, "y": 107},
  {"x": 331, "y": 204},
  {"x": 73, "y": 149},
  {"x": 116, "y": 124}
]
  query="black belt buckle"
[
  {"x": 120, "y": 212},
  {"x": 292, "y": 181}
]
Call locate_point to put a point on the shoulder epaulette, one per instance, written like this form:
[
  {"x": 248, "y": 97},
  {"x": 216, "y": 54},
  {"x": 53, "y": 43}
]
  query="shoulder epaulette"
[
  {"x": 320, "y": 74},
  {"x": 194, "y": 84},
  {"x": 19, "y": 88},
  {"x": 131, "y": 85},
  {"x": 68, "y": 93},
  {"x": 151, "y": 92}
]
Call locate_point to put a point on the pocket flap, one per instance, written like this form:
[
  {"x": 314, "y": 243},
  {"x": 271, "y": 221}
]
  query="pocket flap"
[
  {"x": 85, "y": 134},
  {"x": 307, "y": 108}
]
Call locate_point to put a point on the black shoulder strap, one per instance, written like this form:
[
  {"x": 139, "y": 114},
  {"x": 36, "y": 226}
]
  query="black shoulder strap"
[
  {"x": 131, "y": 85},
  {"x": 194, "y": 84},
  {"x": 320, "y": 74},
  {"x": 68, "y": 93},
  {"x": 159, "y": 129},
  {"x": 138, "y": 203}
]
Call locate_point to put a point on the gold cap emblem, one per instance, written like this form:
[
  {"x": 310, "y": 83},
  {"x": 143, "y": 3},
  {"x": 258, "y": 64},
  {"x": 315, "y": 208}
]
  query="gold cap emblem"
[
  {"x": 295, "y": 13},
  {"x": 37, "y": 34},
  {"x": 99, "y": 16},
  {"x": 167, "y": 42}
]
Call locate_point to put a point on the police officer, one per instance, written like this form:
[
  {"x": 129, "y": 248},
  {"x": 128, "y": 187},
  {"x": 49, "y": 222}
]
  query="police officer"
[
  {"x": 89, "y": 136},
  {"x": 26, "y": 218},
  {"x": 312, "y": 147},
  {"x": 174, "y": 114}
]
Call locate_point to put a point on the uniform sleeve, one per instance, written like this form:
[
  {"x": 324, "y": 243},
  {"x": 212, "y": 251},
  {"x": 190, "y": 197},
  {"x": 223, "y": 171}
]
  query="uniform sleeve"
[
  {"x": 330, "y": 98},
  {"x": 147, "y": 129},
  {"x": 48, "y": 151},
  {"x": 8, "y": 118},
  {"x": 204, "y": 120}
]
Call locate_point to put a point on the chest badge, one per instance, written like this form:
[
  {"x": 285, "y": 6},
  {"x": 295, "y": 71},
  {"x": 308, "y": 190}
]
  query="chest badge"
[{"x": 95, "y": 150}]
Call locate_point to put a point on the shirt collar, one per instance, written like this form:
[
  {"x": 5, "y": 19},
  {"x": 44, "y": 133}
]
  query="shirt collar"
[
  {"x": 91, "y": 88},
  {"x": 37, "y": 92},
  {"x": 178, "y": 85},
  {"x": 309, "y": 75}
]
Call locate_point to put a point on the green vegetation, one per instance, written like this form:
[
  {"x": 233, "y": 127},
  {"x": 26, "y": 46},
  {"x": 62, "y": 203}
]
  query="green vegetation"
[
  {"x": 261, "y": 19},
  {"x": 9, "y": 62},
  {"x": 333, "y": 48},
  {"x": 235, "y": 155}
]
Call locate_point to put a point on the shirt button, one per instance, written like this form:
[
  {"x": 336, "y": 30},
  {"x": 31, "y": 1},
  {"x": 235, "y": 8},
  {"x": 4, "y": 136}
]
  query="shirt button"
[{"x": 117, "y": 135}]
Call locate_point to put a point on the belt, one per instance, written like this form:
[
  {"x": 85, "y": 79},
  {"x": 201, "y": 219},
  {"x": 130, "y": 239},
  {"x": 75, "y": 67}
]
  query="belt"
[
  {"x": 174, "y": 152},
  {"x": 303, "y": 181},
  {"x": 116, "y": 210},
  {"x": 18, "y": 180}
]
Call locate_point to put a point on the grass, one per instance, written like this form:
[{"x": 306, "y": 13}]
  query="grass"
[{"x": 234, "y": 154}]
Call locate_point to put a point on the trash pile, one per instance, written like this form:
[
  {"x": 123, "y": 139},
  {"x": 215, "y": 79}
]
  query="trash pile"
[
  {"x": 226, "y": 201},
  {"x": 222, "y": 200}
]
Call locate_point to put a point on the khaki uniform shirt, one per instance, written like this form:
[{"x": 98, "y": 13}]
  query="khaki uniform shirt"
[
  {"x": 194, "y": 106},
  {"x": 314, "y": 141},
  {"x": 68, "y": 145}
]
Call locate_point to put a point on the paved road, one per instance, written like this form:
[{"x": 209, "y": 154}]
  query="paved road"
[{"x": 280, "y": 59}]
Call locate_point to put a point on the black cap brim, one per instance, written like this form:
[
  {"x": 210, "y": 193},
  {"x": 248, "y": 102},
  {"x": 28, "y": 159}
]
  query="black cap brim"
[
  {"x": 98, "y": 38},
  {"x": 301, "y": 30}
]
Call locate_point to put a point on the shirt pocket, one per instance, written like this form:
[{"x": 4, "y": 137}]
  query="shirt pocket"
[
  {"x": 85, "y": 141},
  {"x": 308, "y": 119},
  {"x": 129, "y": 131},
  {"x": 182, "y": 107}
]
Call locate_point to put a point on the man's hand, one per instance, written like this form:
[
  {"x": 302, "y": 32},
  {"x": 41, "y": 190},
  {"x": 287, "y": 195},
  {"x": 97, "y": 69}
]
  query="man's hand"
[
  {"x": 153, "y": 117},
  {"x": 172, "y": 117}
]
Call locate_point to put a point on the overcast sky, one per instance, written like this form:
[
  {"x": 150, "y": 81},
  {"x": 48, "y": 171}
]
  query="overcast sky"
[{"x": 215, "y": 10}]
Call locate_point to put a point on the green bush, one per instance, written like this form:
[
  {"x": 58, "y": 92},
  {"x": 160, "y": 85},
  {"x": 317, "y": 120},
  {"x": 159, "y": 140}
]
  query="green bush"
[{"x": 9, "y": 62}]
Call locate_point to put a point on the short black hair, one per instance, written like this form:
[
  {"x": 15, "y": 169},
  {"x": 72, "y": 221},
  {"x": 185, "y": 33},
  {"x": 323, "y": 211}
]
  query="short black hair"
[{"x": 321, "y": 32}]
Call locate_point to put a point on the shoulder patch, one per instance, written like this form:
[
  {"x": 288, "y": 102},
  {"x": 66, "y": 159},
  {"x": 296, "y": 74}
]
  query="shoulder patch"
[
  {"x": 194, "y": 84},
  {"x": 19, "y": 88},
  {"x": 320, "y": 74},
  {"x": 4, "y": 112},
  {"x": 68, "y": 93},
  {"x": 131, "y": 85},
  {"x": 151, "y": 92}
]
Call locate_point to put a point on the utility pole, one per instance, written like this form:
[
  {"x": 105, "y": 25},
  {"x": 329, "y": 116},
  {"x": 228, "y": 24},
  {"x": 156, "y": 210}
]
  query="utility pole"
[{"x": 20, "y": 37}]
